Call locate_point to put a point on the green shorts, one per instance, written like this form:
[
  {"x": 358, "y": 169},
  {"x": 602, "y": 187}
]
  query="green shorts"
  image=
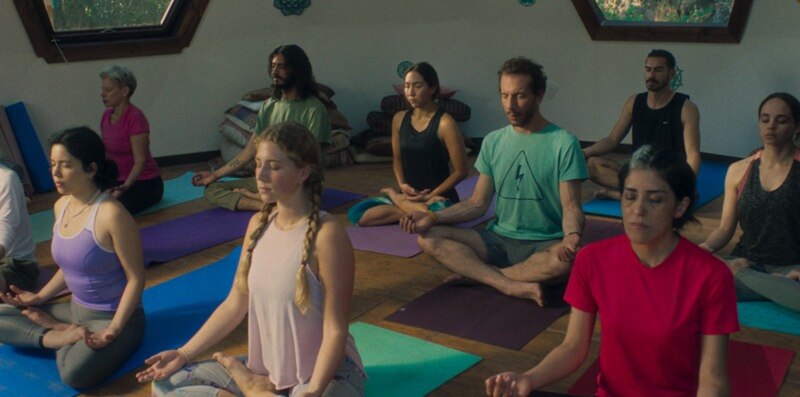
[{"x": 19, "y": 273}]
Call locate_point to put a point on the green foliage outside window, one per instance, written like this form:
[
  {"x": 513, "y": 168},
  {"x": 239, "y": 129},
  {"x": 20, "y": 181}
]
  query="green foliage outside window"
[
  {"x": 667, "y": 11},
  {"x": 77, "y": 15}
]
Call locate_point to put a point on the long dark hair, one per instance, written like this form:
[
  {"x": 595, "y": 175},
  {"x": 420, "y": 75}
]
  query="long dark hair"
[
  {"x": 428, "y": 74},
  {"x": 86, "y": 146},
  {"x": 297, "y": 61}
]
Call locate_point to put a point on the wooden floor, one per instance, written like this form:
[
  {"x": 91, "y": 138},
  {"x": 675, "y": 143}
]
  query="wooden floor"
[{"x": 385, "y": 283}]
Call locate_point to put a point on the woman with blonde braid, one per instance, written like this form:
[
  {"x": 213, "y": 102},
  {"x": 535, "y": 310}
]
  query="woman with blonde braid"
[{"x": 294, "y": 283}]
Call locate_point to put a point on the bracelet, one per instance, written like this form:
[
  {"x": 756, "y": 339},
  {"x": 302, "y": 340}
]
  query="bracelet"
[{"x": 184, "y": 354}]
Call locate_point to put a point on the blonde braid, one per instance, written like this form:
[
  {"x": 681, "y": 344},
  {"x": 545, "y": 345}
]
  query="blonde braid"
[
  {"x": 301, "y": 296},
  {"x": 244, "y": 268}
]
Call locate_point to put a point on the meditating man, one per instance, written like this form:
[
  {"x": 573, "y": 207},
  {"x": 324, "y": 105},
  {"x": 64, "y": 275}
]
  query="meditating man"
[
  {"x": 293, "y": 98},
  {"x": 17, "y": 259},
  {"x": 660, "y": 117},
  {"x": 535, "y": 167}
]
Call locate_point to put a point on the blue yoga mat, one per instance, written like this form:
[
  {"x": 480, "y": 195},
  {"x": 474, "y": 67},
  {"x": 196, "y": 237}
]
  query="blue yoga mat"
[
  {"x": 710, "y": 185},
  {"x": 175, "y": 311},
  {"x": 404, "y": 366},
  {"x": 32, "y": 151},
  {"x": 770, "y": 316}
]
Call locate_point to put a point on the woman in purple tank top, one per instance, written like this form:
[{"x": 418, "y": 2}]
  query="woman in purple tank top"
[
  {"x": 97, "y": 248},
  {"x": 298, "y": 339}
]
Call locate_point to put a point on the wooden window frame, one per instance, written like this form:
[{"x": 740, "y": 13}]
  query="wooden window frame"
[
  {"x": 601, "y": 29},
  {"x": 170, "y": 38}
]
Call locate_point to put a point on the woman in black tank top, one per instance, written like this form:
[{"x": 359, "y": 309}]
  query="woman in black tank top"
[
  {"x": 762, "y": 193},
  {"x": 425, "y": 142}
]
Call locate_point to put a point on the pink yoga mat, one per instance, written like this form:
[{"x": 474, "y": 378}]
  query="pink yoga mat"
[
  {"x": 390, "y": 240},
  {"x": 753, "y": 370}
]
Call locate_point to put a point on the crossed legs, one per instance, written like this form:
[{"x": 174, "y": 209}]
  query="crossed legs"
[
  {"x": 604, "y": 172},
  {"x": 463, "y": 252}
]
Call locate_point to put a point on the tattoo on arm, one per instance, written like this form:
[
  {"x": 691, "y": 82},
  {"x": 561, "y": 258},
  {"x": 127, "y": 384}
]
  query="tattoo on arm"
[{"x": 234, "y": 163}]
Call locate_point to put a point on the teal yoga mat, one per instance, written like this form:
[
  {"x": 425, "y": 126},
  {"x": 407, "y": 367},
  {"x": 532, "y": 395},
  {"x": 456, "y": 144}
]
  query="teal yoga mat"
[
  {"x": 770, "y": 316},
  {"x": 175, "y": 310},
  {"x": 710, "y": 185},
  {"x": 404, "y": 366}
]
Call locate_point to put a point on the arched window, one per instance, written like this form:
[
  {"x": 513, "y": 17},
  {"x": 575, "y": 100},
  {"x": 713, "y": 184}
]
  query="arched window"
[{"x": 79, "y": 30}]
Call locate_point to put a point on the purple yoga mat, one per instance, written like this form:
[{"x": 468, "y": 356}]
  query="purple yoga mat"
[
  {"x": 179, "y": 237},
  {"x": 390, "y": 240},
  {"x": 480, "y": 313},
  {"x": 596, "y": 229},
  {"x": 332, "y": 198}
]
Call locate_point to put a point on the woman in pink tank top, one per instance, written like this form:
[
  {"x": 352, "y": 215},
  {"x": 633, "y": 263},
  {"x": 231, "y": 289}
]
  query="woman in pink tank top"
[
  {"x": 97, "y": 248},
  {"x": 298, "y": 340}
]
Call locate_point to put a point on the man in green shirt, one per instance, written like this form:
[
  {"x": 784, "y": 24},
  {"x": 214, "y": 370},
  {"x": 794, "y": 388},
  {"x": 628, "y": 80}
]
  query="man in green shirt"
[
  {"x": 535, "y": 169},
  {"x": 294, "y": 98}
]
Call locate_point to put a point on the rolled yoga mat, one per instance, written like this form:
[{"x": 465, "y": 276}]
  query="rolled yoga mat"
[
  {"x": 403, "y": 366},
  {"x": 36, "y": 162},
  {"x": 391, "y": 240},
  {"x": 710, "y": 185},
  {"x": 175, "y": 310},
  {"x": 480, "y": 313},
  {"x": 753, "y": 370}
]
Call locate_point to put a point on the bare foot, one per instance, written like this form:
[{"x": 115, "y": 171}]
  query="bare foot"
[
  {"x": 44, "y": 319},
  {"x": 393, "y": 195},
  {"x": 525, "y": 290},
  {"x": 56, "y": 339},
  {"x": 607, "y": 194},
  {"x": 249, "y": 383}
]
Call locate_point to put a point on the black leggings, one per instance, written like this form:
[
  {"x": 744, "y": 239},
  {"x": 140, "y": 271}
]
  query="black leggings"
[{"x": 142, "y": 195}]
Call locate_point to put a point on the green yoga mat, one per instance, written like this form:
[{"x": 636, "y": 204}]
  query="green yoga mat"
[
  {"x": 176, "y": 191},
  {"x": 404, "y": 366}
]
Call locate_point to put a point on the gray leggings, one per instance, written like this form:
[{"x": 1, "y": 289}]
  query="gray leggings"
[
  {"x": 207, "y": 378},
  {"x": 758, "y": 283},
  {"x": 78, "y": 365}
]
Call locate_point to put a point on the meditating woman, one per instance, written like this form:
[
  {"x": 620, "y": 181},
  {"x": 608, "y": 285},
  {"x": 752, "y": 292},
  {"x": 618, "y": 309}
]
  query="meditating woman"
[
  {"x": 425, "y": 142},
  {"x": 294, "y": 283},
  {"x": 665, "y": 305},
  {"x": 97, "y": 248},
  {"x": 126, "y": 134},
  {"x": 762, "y": 195}
]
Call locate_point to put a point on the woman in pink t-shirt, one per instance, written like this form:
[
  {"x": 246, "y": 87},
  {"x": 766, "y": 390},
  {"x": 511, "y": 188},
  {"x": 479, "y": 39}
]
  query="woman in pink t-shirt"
[
  {"x": 665, "y": 305},
  {"x": 126, "y": 135}
]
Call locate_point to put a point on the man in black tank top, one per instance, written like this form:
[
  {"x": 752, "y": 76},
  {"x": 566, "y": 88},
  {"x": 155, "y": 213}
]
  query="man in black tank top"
[{"x": 660, "y": 117}]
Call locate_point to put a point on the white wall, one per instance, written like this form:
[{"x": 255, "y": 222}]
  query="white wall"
[{"x": 355, "y": 46}]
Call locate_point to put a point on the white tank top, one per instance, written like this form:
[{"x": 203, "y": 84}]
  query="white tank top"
[{"x": 283, "y": 343}]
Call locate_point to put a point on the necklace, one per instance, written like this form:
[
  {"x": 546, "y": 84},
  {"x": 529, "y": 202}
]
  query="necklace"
[{"x": 70, "y": 217}]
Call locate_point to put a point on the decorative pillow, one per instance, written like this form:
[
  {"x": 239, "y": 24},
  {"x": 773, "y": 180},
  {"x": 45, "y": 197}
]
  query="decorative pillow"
[
  {"x": 242, "y": 116},
  {"x": 380, "y": 146},
  {"x": 444, "y": 92},
  {"x": 392, "y": 104},
  {"x": 340, "y": 152},
  {"x": 459, "y": 110},
  {"x": 380, "y": 122},
  {"x": 234, "y": 133}
]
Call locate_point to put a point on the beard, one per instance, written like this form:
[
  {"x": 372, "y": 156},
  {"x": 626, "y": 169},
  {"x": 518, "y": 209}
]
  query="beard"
[
  {"x": 284, "y": 84},
  {"x": 655, "y": 85}
]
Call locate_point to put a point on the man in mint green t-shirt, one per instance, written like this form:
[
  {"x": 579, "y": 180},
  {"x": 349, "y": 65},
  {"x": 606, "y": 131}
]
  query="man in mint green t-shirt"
[
  {"x": 535, "y": 169},
  {"x": 295, "y": 99}
]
